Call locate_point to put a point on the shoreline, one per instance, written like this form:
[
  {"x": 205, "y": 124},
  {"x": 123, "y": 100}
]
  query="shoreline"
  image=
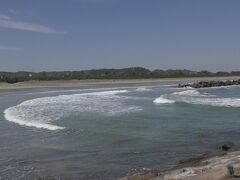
[
  {"x": 27, "y": 85},
  {"x": 217, "y": 165},
  {"x": 194, "y": 168}
]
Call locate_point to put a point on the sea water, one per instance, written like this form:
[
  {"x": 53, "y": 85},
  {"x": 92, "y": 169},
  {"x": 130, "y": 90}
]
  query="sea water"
[{"x": 106, "y": 133}]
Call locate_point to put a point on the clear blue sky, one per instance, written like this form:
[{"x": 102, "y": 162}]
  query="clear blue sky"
[{"x": 85, "y": 34}]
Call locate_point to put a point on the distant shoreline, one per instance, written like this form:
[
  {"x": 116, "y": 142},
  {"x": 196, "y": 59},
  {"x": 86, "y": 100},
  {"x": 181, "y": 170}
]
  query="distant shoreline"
[{"x": 103, "y": 83}]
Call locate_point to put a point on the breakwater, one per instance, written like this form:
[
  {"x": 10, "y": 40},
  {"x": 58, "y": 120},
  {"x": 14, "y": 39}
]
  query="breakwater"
[{"x": 205, "y": 84}]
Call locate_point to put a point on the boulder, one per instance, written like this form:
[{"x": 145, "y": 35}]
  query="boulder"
[
  {"x": 234, "y": 170},
  {"x": 227, "y": 146},
  {"x": 218, "y": 173},
  {"x": 145, "y": 175}
]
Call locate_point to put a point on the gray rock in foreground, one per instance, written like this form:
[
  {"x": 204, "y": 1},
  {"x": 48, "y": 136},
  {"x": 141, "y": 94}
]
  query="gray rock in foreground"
[{"x": 221, "y": 165}]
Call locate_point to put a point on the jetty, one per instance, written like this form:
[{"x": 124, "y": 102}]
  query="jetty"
[{"x": 207, "y": 84}]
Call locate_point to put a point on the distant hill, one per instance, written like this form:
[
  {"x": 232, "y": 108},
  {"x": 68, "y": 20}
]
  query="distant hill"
[{"x": 125, "y": 73}]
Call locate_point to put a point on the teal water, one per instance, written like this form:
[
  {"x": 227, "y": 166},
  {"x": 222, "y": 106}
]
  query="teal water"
[{"x": 108, "y": 133}]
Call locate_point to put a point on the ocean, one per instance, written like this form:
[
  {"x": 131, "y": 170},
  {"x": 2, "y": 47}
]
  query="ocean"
[{"x": 107, "y": 133}]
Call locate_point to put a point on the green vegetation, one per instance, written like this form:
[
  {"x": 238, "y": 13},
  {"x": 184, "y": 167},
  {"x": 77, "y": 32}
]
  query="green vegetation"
[{"x": 126, "y": 73}]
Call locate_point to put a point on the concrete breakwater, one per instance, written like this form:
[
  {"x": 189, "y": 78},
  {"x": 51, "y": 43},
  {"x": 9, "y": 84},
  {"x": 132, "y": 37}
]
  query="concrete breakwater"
[{"x": 206, "y": 84}]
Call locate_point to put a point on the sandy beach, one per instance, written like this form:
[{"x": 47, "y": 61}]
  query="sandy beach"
[{"x": 104, "y": 83}]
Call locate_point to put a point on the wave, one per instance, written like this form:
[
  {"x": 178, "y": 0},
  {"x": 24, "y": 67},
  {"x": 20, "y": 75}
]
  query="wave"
[
  {"x": 188, "y": 87},
  {"x": 12, "y": 116},
  {"x": 188, "y": 93},
  {"x": 220, "y": 102},
  {"x": 195, "y": 97},
  {"x": 145, "y": 88},
  {"x": 162, "y": 100},
  {"x": 193, "y": 93},
  {"x": 43, "y": 112},
  {"x": 70, "y": 90},
  {"x": 141, "y": 89}
]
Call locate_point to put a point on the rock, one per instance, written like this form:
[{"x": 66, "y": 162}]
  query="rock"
[
  {"x": 228, "y": 146},
  {"x": 197, "y": 159},
  {"x": 234, "y": 170},
  {"x": 205, "y": 84},
  {"x": 218, "y": 173},
  {"x": 146, "y": 175},
  {"x": 219, "y": 165}
]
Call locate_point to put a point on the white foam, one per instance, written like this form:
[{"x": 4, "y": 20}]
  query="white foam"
[
  {"x": 142, "y": 89},
  {"x": 193, "y": 92},
  {"x": 43, "y": 112},
  {"x": 70, "y": 90},
  {"x": 162, "y": 100},
  {"x": 195, "y": 97},
  {"x": 220, "y": 102},
  {"x": 188, "y": 87},
  {"x": 11, "y": 116}
]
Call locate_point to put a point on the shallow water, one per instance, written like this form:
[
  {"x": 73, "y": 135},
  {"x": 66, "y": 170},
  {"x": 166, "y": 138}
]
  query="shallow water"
[{"x": 107, "y": 133}]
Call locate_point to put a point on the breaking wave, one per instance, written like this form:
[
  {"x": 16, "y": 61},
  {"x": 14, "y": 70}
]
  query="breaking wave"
[
  {"x": 43, "y": 112},
  {"x": 140, "y": 89},
  {"x": 188, "y": 93},
  {"x": 221, "y": 102},
  {"x": 195, "y": 97},
  {"x": 162, "y": 100}
]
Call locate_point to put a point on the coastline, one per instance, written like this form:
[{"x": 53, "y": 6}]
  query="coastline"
[
  {"x": 191, "y": 169},
  {"x": 219, "y": 165},
  {"x": 103, "y": 83}
]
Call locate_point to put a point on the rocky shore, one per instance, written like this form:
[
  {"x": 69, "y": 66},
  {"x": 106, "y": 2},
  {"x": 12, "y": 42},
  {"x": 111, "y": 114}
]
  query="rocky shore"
[
  {"x": 205, "y": 84},
  {"x": 219, "y": 165}
]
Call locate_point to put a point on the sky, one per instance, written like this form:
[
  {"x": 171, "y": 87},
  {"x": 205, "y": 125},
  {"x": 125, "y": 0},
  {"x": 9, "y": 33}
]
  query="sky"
[{"x": 55, "y": 35}]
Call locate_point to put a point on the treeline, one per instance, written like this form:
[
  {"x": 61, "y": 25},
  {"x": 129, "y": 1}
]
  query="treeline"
[{"x": 125, "y": 73}]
